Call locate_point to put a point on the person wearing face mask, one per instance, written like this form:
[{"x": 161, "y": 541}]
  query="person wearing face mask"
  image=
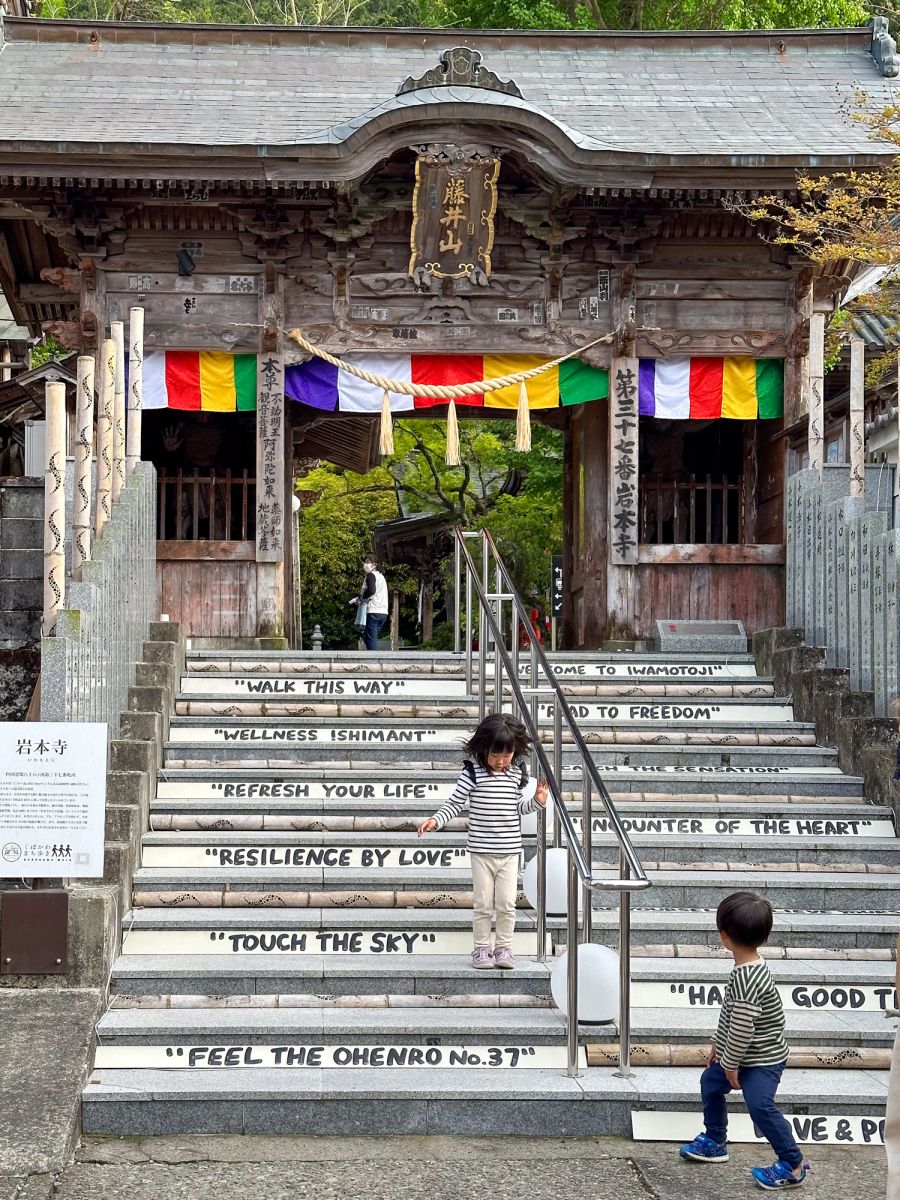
[{"x": 374, "y": 595}]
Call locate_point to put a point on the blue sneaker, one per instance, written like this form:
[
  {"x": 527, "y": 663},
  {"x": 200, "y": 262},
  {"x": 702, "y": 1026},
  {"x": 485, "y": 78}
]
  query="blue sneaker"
[
  {"x": 779, "y": 1175},
  {"x": 704, "y": 1149}
]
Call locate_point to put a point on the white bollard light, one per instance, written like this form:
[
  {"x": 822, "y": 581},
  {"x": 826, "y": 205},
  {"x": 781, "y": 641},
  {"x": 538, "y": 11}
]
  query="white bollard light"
[
  {"x": 598, "y": 984},
  {"x": 557, "y": 894}
]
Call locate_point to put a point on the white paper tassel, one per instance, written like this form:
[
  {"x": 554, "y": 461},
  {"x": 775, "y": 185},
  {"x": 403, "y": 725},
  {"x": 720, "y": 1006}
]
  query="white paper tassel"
[
  {"x": 523, "y": 421},
  {"x": 451, "y": 458},
  {"x": 386, "y": 444}
]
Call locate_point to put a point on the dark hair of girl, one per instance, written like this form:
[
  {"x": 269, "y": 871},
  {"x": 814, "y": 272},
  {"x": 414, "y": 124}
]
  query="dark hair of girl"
[{"x": 498, "y": 733}]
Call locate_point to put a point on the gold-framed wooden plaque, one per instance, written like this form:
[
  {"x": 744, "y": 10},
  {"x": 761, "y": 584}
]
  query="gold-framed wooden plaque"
[{"x": 454, "y": 205}]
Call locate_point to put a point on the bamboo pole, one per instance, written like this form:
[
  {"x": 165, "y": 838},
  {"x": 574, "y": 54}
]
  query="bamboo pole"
[
  {"x": 857, "y": 417},
  {"x": 117, "y": 329},
  {"x": 54, "y": 506},
  {"x": 84, "y": 448},
  {"x": 135, "y": 386},
  {"x": 816, "y": 429},
  {"x": 105, "y": 435}
]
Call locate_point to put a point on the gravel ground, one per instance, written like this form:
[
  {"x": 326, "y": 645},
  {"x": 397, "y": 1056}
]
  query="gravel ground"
[{"x": 440, "y": 1168}]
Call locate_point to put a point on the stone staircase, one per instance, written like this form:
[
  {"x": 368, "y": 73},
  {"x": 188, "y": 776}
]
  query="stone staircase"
[{"x": 296, "y": 959}]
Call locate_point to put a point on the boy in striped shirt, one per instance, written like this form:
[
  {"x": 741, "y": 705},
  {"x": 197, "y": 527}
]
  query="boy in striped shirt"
[{"x": 750, "y": 1051}]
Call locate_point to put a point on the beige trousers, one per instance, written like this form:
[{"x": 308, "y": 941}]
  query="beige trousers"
[{"x": 495, "y": 881}]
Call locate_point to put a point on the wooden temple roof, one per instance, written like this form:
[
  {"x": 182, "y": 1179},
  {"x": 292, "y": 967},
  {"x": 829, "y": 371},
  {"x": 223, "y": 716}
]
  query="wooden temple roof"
[{"x": 271, "y": 105}]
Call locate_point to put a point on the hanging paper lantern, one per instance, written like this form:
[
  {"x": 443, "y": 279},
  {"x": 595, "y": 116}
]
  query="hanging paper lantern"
[
  {"x": 557, "y": 870},
  {"x": 598, "y": 984}
]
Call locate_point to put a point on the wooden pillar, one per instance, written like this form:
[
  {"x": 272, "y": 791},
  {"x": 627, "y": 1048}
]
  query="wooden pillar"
[
  {"x": 595, "y": 564},
  {"x": 796, "y": 363},
  {"x": 84, "y": 448},
  {"x": 54, "y": 506},
  {"x": 622, "y": 523},
  {"x": 270, "y": 452},
  {"x": 816, "y": 432},
  {"x": 117, "y": 330},
  {"x": 395, "y": 621},
  {"x": 857, "y": 417},
  {"x": 751, "y": 481},
  {"x": 135, "y": 387},
  {"x": 568, "y": 543},
  {"x": 105, "y": 417}
]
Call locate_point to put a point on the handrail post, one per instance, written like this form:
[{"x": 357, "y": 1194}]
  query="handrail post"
[
  {"x": 468, "y": 631},
  {"x": 557, "y": 765},
  {"x": 514, "y": 649},
  {"x": 482, "y": 658},
  {"x": 541, "y": 840},
  {"x": 587, "y": 916},
  {"x": 624, "y": 971},
  {"x": 457, "y": 598},
  {"x": 572, "y": 968}
]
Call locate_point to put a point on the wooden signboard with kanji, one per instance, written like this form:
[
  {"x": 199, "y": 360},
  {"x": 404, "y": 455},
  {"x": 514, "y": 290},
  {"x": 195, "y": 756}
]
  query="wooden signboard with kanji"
[{"x": 453, "y": 218}]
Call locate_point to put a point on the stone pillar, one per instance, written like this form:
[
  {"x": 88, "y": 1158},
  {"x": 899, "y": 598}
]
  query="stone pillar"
[
  {"x": 816, "y": 428},
  {"x": 791, "y": 530},
  {"x": 135, "y": 388},
  {"x": 818, "y": 564},
  {"x": 118, "y": 477},
  {"x": 54, "y": 506},
  {"x": 105, "y": 420},
  {"x": 84, "y": 448},
  {"x": 854, "y": 600},
  {"x": 810, "y": 498},
  {"x": 848, "y": 511},
  {"x": 872, "y": 530},
  {"x": 891, "y": 621},
  {"x": 270, "y": 451},
  {"x": 879, "y": 626},
  {"x": 829, "y": 570},
  {"x": 857, "y": 417}
]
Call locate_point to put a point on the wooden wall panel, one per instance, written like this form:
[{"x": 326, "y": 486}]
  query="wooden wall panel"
[
  {"x": 752, "y": 593},
  {"x": 210, "y": 597}
]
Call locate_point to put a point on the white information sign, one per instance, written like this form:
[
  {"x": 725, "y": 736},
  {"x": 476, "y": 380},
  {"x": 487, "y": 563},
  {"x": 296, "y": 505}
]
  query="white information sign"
[{"x": 52, "y": 799}]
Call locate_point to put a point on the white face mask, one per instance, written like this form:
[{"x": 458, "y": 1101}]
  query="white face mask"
[{"x": 368, "y": 567}]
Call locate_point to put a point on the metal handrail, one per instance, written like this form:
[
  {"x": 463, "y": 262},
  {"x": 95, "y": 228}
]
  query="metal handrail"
[{"x": 631, "y": 873}]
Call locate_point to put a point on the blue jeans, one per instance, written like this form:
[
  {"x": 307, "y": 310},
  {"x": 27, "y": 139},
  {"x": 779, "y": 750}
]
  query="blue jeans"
[
  {"x": 374, "y": 623},
  {"x": 759, "y": 1085}
]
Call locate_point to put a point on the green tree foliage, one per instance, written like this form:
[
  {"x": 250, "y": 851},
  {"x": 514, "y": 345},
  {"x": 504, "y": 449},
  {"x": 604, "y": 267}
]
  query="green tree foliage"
[
  {"x": 652, "y": 14},
  {"x": 336, "y": 530}
]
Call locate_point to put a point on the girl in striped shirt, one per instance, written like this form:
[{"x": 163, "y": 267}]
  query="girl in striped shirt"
[{"x": 491, "y": 785}]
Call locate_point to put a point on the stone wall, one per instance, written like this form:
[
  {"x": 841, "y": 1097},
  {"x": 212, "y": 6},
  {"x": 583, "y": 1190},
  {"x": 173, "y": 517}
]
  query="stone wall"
[
  {"x": 21, "y": 592},
  {"x": 866, "y": 743}
]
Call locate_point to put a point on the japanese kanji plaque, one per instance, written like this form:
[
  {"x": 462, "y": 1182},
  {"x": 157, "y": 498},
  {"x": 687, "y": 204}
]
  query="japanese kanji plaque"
[
  {"x": 623, "y": 461},
  {"x": 454, "y": 204}
]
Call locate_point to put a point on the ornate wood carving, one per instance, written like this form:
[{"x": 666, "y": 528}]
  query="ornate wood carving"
[{"x": 460, "y": 67}]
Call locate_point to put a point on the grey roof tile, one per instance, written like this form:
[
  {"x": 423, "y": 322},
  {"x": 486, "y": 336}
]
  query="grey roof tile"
[{"x": 734, "y": 96}]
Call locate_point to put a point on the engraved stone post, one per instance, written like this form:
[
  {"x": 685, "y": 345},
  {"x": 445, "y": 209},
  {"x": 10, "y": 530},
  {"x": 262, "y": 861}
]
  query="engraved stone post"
[
  {"x": 872, "y": 529},
  {"x": 848, "y": 511},
  {"x": 810, "y": 498},
  {"x": 84, "y": 448},
  {"x": 857, "y": 418},
  {"x": 854, "y": 602},
  {"x": 816, "y": 437},
  {"x": 790, "y": 535},
  {"x": 829, "y": 567},
  {"x": 118, "y": 480},
  {"x": 135, "y": 387},
  {"x": 879, "y": 628},
  {"x": 891, "y": 619},
  {"x": 817, "y": 564},
  {"x": 54, "y": 506},
  {"x": 106, "y": 391}
]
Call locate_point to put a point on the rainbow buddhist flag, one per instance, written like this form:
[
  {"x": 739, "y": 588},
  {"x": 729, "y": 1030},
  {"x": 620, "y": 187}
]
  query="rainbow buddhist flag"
[
  {"x": 200, "y": 381},
  {"x": 695, "y": 389},
  {"x": 320, "y": 385}
]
